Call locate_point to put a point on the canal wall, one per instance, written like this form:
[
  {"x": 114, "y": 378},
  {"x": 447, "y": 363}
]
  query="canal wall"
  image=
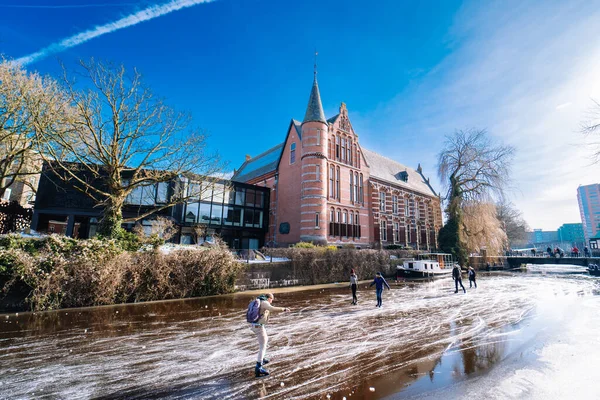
[{"x": 315, "y": 266}]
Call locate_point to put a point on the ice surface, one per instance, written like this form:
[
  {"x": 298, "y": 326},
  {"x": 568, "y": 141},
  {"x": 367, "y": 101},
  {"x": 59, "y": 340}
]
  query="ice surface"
[{"x": 424, "y": 340}]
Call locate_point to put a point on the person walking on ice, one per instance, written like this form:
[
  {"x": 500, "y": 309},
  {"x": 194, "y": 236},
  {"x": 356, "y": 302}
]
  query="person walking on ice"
[
  {"x": 456, "y": 274},
  {"x": 258, "y": 316},
  {"x": 471, "y": 278},
  {"x": 354, "y": 286},
  {"x": 379, "y": 282}
]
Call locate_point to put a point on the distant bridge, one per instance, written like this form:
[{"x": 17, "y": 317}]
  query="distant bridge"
[{"x": 515, "y": 261}]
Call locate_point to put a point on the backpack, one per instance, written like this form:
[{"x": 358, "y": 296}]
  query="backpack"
[{"x": 253, "y": 313}]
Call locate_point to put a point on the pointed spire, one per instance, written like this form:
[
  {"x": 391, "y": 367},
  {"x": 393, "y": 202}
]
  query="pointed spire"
[{"x": 314, "y": 110}]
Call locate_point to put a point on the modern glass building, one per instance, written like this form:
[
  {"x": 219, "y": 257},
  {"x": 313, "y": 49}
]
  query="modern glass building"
[
  {"x": 589, "y": 207},
  {"x": 237, "y": 212},
  {"x": 573, "y": 234}
]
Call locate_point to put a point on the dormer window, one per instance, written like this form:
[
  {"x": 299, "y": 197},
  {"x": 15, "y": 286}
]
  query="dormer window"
[
  {"x": 293, "y": 153},
  {"x": 403, "y": 176}
]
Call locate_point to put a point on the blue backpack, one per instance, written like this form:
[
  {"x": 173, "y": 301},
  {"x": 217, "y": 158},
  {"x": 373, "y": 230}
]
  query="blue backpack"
[{"x": 253, "y": 313}]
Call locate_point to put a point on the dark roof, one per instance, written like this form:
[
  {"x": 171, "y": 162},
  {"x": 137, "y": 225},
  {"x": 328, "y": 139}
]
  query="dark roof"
[
  {"x": 391, "y": 171},
  {"x": 332, "y": 119},
  {"x": 259, "y": 165},
  {"x": 314, "y": 110}
]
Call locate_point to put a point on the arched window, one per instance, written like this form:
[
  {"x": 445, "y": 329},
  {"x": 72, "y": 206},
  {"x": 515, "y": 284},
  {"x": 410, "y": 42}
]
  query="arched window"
[
  {"x": 362, "y": 192},
  {"x": 330, "y": 149},
  {"x": 339, "y": 215},
  {"x": 382, "y": 201},
  {"x": 337, "y": 186},
  {"x": 345, "y": 217},
  {"x": 318, "y": 137},
  {"x": 356, "y": 187},
  {"x": 351, "y": 186},
  {"x": 383, "y": 231},
  {"x": 332, "y": 215},
  {"x": 293, "y": 153},
  {"x": 331, "y": 182},
  {"x": 337, "y": 148},
  {"x": 349, "y": 153}
]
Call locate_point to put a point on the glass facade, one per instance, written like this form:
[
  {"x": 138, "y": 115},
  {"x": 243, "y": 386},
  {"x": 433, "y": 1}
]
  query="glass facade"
[{"x": 237, "y": 212}]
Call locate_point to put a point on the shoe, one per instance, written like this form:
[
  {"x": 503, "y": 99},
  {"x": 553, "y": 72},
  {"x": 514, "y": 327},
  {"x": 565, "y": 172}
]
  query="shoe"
[
  {"x": 265, "y": 361},
  {"x": 465, "y": 290},
  {"x": 259, "y": 371},
  {"x": 456, "y": 291}
]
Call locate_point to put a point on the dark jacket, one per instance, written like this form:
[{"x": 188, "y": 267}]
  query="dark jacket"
[
  {"x": 472, "y": 274},
  {"x": 456, "y": 274},
  {"x": 379, "y": 282}
]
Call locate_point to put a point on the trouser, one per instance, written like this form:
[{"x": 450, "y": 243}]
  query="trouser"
[
  {"x": 456, "y": 282},
  {"x": 471, "y": 283},
  {"x": 379, "y": 292},
  {"x": 354, "y": 298},
  {"x": 261, "y": 335}
]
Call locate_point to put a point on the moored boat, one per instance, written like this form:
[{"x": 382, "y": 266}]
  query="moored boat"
[
  {"x": 593, "y": 269},
  {"x": 434, "y": 265}
]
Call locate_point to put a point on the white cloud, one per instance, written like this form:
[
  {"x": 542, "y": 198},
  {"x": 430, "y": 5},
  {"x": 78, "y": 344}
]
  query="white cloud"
[
  {"x": 146, "y": 14},
  {"x": 515, "y": 61},
  {"x": 564, "y": 105}
]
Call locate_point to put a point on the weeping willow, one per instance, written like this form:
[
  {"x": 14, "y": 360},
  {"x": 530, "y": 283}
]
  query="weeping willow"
[{"x": 481, "y": 229}]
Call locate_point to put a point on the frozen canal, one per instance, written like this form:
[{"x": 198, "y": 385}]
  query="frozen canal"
[{"x": 517, "y": 336}]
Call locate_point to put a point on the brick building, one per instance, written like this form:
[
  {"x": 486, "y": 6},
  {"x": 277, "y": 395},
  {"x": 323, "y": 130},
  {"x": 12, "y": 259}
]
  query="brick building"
[{"x": 326, "y": 188}]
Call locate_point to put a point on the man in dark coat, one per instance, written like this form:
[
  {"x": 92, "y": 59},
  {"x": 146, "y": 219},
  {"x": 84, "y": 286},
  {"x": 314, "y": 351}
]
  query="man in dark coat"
[{"x": 456, "y": 274}]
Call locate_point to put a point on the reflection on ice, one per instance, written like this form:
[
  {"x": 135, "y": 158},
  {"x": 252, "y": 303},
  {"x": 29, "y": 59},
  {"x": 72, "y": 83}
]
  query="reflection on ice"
[{"x": 424, "y": 338}]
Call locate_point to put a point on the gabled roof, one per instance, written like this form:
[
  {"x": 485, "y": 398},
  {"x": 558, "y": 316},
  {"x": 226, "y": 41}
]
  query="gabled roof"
[
  {"x": 333, "y": 119},
  {"x": 265, "y": 162},
  {"x": 391, "y": 171},
  {"x": 314, "y": 110},
  {"x": 259, "y": 165}
]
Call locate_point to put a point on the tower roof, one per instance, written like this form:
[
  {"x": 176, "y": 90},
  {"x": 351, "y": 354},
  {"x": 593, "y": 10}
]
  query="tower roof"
[{"x": 314, "y": 110}]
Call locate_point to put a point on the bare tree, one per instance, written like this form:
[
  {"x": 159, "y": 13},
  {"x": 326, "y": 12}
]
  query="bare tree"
[
  {"x": 474, "y": 170},
  {"x": 29, "y": 103},
  {"x": 590, "y": 129},
  {"x": 125, "y": 138},
  {"x": 516, "y": 228}
]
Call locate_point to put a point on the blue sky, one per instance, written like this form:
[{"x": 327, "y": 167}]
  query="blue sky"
[{"x": 409, "y": 72}]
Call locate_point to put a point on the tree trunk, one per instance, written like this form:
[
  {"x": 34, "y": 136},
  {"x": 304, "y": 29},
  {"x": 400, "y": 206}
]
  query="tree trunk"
[{"x": 112, "y": 218}]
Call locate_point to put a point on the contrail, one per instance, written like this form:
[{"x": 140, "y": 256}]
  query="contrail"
[
  {"x": 130, "y": 20},
  {"x": 67, "y": 5}
]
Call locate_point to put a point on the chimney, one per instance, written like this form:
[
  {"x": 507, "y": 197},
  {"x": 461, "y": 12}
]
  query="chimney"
[{"x": 248, "y": 157}]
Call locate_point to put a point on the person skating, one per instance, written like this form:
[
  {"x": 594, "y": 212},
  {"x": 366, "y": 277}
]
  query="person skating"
[
  {"x": 471, "y": 278},
  {"x": 456, "y": 274},
  {"x": 379, "y": 282},
  {"x": 586, "y": 252},
  {"x": 258, "y": 328},
  {"x": 354, "y": 286}
]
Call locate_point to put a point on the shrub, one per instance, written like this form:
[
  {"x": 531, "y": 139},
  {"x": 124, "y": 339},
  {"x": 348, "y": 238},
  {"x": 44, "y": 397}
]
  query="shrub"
[
  {"x": 65, "y": 272},
  {"x": 304, "y": 245}
]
